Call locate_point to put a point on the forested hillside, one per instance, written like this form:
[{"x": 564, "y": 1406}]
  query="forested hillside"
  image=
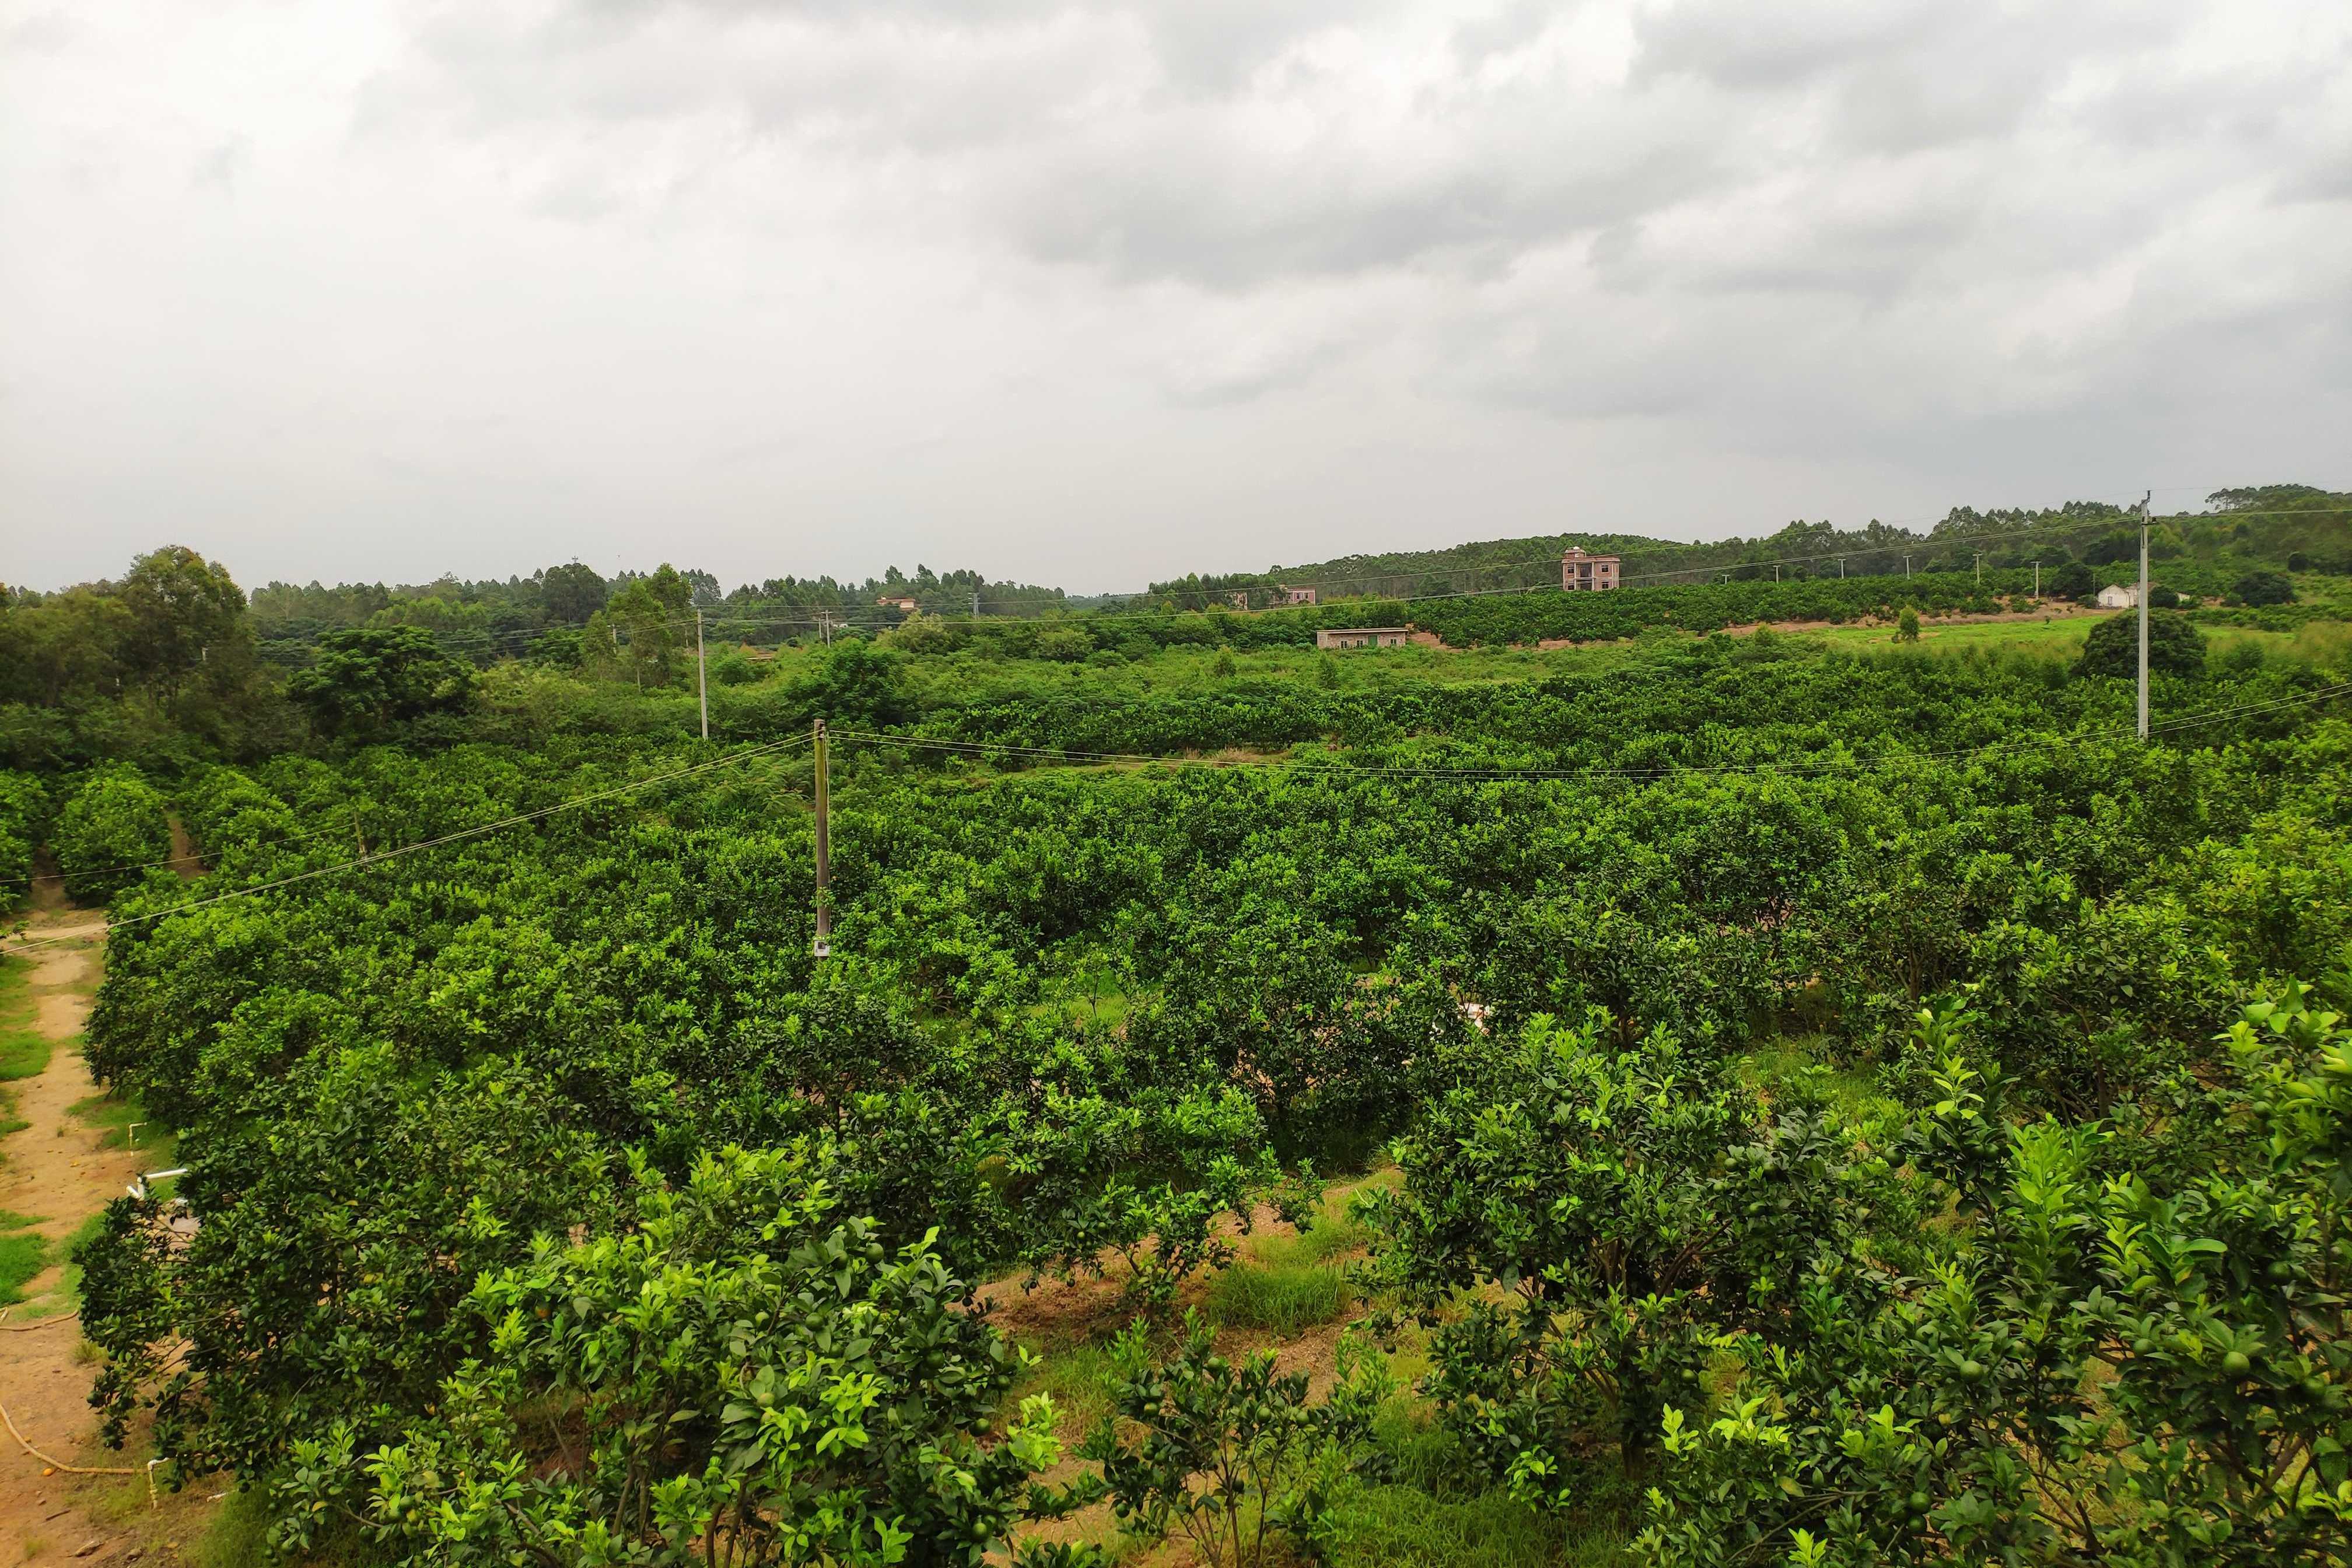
[
  {"x": 1827, "y": 1096},
  {"x": 2264, "y": 524}
]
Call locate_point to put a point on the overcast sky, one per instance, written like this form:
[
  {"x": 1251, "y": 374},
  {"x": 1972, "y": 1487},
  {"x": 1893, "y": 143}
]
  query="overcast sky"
[{"x": 1089, "y": 294}]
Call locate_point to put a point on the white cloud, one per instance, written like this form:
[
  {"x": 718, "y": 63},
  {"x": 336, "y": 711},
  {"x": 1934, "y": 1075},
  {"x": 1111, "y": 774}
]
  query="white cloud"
[{"x": 1090, "y": 293}]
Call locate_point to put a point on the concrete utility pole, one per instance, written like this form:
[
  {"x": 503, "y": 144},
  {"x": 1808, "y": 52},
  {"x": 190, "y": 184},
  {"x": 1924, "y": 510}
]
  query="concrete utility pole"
[
  {"x": 1840, "y": 568},
  {"x": 1907, "y": 566},
  {"x": 701, "y": 676},
  {"x": 1980, "y": 568},
  {"x": 2037, "y": 579},
  {"x": 2143, "y": 612},
  {"x": 975, "y": 604},
  {"x": 822, "y": 947}
]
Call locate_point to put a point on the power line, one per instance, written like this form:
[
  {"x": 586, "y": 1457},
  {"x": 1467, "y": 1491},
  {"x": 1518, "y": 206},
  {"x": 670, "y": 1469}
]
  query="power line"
[
  {"x": 2051, "y": 529},
  {"x": 1068, "y": 755},
  {"x": 765, "y": 749},
  {"x": 983, "y": 748},
  {"x": 721, "y": 620},
  {"x": 1089, "y": 618},
  {"x": 172, "y": 859},
  {"x": 2046, "y": 527}
]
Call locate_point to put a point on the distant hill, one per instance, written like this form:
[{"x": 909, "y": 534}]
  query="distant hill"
[{"x": 2266, "y": 522}]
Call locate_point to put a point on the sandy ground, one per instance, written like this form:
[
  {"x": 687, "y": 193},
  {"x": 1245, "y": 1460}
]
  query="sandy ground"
[{"x": 62, "y": 1170}]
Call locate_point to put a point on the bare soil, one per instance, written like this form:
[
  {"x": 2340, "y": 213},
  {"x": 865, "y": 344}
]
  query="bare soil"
[{"x": 61, "y": 1170}]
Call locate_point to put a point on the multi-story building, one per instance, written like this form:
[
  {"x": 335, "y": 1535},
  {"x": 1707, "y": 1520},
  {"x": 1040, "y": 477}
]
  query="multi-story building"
[{"x": 1582, "y": 573}]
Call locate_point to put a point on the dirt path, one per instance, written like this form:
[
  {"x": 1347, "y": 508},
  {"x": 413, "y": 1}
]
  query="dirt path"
[{"x": 61, "y": 1170}]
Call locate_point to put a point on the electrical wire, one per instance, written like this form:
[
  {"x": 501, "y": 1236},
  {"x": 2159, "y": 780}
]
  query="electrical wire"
[
  {"x": 720, "y": 619},
  {"x": 2054, "y": 532},
  {"x": 1509, "y": 775},
  {"x": 1070, "y": 756},
  {"x": 378, "y": 858},
  {"x": 171, "y": 859},
  {"x": 1913, "y": 544}
]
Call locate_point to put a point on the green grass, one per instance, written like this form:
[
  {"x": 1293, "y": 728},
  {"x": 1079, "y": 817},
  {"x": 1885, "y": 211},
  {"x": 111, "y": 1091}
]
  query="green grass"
[
  {"x": 1284, "y": 1298},
  {"x": 1791, "y": 1064},
  {"x": 1405, "y": 1526},
  {"x": 115, "y": 1112},
  {"x": 1287, "y": 1281},
  {"x": 1077, "y": 1378},
  {"x": 23, "y": 1254},
  {"x": 240, "y": 1534},
  {"x": 24, "y": 1054}
]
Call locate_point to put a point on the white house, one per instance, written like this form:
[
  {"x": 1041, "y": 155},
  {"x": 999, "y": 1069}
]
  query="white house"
[
  {"x": 1362, "y": 636},
  {"x": 2115, "y": 596}
]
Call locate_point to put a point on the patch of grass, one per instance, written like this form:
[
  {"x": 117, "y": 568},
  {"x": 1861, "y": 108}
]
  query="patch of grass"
[
  {"x": 1333, "y": 1236},
  {"x": 1405, "y": 1526},
  {"x": 1791, "y": 1066},
  {"x": 24, "y": 1053},
  {"x": 1078, "y": 1379},
  {"x": 1286, "y": 1298},
  {"x": 23, "y": 1254},
  {"x": 117, "y": 1113},
  {"x": 238, "y": 1534}
]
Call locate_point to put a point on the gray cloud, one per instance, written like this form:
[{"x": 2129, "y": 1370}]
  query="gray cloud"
[{"x": 1089, "y": 292}]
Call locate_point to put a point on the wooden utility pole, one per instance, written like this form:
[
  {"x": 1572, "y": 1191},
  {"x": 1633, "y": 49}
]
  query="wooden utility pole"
[
  {"x": 823, "y": 945},
  {"x": 701, "y": 676},
  {"x": 2143, "y": 614}
]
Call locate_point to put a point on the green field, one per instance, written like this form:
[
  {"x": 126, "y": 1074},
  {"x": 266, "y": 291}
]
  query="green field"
[{"x": 1701, "y": 1098}]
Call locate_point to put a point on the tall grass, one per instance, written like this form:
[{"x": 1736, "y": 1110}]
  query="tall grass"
[{"x": 1285, "y": 1298}]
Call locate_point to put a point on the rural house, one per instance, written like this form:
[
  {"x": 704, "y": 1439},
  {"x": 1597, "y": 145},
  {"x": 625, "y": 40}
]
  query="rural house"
[
  {"x": 1362, "y": 637},
  {"x": 1297, "y": 596},
  {"x": 2115, "y": 596},
  {"x": 1582, "y": 573}
]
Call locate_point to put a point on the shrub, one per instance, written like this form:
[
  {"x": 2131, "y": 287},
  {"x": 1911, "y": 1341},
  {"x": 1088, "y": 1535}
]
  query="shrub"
[
  {"x": 1958, "y": 1416},
  {"x": 1214, "y": 1446},
  {"x": 2263, "y": 588},
  {"x": 2174, "y": 647},
  {"x": 751, "y": 1377},
  {"x": 366, "y": 679},
  {"x": 1906, "y": 626},
  {"x": 111, "y": 825},
  {"x": 2072, "y": 580},
  {"x": 1610, "y": 1213}
]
